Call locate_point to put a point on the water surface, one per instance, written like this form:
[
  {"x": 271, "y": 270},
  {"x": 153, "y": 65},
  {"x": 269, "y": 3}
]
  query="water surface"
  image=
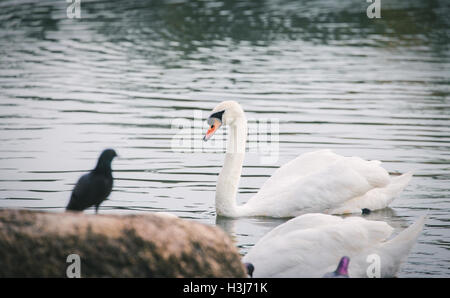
[{"x": 119, "y": 76}]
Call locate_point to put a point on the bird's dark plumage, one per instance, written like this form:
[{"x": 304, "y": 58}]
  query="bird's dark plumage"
[{"x": 93, "y": 188}]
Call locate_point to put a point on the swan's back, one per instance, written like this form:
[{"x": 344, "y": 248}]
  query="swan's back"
[{"x": 319, "y": 181}]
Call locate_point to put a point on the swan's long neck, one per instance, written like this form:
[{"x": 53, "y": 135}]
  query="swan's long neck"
[{"x": 228, "y": 182}]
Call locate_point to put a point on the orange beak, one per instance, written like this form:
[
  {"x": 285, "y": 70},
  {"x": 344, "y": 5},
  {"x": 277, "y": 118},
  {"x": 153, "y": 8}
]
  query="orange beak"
[{"x": 215, "y": 124}]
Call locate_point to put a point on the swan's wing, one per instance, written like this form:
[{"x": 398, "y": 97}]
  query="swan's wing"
[
  {"x": 307, "y": 221},
  {"x": 318, "y": 221},
  {"x": 297, "y": 248},
  {"x": 317, "y": 182},
  {"x": 301, "y": 166}
]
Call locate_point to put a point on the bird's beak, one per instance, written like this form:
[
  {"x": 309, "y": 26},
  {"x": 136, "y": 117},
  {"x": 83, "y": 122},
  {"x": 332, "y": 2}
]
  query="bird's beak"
[{"x": 214, "y": 126}]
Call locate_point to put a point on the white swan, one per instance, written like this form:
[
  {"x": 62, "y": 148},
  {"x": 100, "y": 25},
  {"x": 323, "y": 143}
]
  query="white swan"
[
  {"x": 311, "y": 245},
  {"x": 319, "y": 181}
]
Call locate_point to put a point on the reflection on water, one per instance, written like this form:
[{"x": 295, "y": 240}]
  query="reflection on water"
[
  {"x": 122, "y": 73},
  {"x": 250, "y": 230}
]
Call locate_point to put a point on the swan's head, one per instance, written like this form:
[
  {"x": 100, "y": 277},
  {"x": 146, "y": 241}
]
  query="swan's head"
[
  {"x": 250, "y": 268},
  {"x": 225, "y": 113}
]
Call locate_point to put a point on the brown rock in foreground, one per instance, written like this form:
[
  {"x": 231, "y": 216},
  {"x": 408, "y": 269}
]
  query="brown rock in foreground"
[{"x": 37, "y": 244}]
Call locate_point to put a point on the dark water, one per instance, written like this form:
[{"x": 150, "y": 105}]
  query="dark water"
[{"x": 119, "y": 76}]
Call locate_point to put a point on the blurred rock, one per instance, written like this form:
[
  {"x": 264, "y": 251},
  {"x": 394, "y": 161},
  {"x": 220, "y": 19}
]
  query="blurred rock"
[{"x": 37, "y": 244}]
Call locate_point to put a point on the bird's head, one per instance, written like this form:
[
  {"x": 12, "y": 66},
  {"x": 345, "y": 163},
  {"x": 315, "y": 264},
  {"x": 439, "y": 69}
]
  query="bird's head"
[
  {"x": 342, "y": 268},
  {"x": 225, "y": 113},
  {"x": 105, "y": 159}
]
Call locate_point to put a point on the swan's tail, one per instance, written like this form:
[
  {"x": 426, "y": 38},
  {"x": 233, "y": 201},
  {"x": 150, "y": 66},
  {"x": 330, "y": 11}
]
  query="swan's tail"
[
  {"x": 377, "y": 198},
  {"x": 395, "y": 251},
  {"x": 397, "y": 185}
]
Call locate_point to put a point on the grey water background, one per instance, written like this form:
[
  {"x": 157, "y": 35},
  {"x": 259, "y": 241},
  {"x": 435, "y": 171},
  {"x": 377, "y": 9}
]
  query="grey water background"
[{"x": 120, "y": 75}]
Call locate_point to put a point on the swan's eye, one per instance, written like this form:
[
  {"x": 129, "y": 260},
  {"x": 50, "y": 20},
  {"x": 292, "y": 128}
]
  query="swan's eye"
[{"x": 212, "y": 126}]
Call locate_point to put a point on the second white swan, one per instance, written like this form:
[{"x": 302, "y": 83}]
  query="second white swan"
[
  {"x": 319, "y": 181},
  {"x": 311, "y": 245}
]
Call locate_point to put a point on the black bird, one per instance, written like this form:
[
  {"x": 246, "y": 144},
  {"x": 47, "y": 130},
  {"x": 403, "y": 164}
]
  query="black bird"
[{"x": 93, "y": 188}]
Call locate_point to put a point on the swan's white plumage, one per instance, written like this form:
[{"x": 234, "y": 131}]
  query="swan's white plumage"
[
  {"x": 312, "y": 245},
  {"x": 376, "y": 198},
  {"x": 319, "y": 181}
]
